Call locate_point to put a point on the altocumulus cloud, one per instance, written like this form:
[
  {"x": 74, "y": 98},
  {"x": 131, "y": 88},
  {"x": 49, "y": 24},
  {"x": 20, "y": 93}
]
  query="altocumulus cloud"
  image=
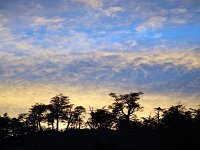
[
  {"x": 162, "y": 71},
  {"x": 169, "y": 73},
  {"x": 97, "y": 46}
]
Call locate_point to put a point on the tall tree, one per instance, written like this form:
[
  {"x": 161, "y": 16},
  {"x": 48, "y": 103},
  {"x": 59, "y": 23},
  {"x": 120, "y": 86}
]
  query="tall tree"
[
  {"x": 101, "y": 119},
  {"x": 77, "y": 120},
  {"x": 37, "y": 114},
  {"x": 177, "y": 117},
  {"x": 23, "y": 119},
  {"x": 196, "y": 117},
  {"x": 4, "y": 126},
  {"x": 60, "y": 107},
  {"x": 158, "y": 111},
  {"x": 125, "y": 106},
  {"x": 50, "y": 116},
  {"x": 16, "y": 127}
]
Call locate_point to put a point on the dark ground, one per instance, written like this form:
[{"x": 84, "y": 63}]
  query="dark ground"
[{"x": 139, "y": 139}]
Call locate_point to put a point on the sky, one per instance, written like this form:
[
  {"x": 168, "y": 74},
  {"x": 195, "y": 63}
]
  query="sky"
[{"x": 88, "y": 48}]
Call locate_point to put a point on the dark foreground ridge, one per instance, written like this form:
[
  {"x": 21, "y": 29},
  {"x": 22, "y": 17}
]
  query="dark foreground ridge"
[
  {"x": 137, "y": 139},
  {"x": 111, "y": 127}
]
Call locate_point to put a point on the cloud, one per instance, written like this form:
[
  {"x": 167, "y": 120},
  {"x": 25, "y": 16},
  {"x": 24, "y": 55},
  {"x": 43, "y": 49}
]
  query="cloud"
[
  {"x": 105, "y": 69},
  {"x": 51, "y": 23},
  {"x": 41, "y": 21},
  {"x": 111, "y": 12},
  {"x": 6, "y": 34},
  {"x": 96, "y": 44},
  {"x": 92, "y": 3},
  {"x": 20, "y": 97},
  {"x": 178, "y": 10},
  {"x": 178, "y": 20},
  {"x": 153, "y": 23},
  {"x": 132, "y": 43}
]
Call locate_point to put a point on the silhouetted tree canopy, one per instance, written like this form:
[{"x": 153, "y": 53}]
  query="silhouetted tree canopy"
[
  {"x": 125, "y": 106},
  {"x": 36, "y": 115},
  {"x": 101, "y": 119},
  {"x": 60, "y": 107},
  {"x": 172, "y": 123},
  {"x": 77, "y": 119}
]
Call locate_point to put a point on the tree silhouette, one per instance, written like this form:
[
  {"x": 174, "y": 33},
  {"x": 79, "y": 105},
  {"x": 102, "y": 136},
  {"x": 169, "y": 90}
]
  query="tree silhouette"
[
  {"x": 177, "y": 117},
  {"x": 37, "y": 115},
  {"x": 125, "y": 106},
  {"x": 68, "y": 116},
  {"x": 166, "y": 128},
  {"x": 16, "y": 127},
  {"x": 77, "y": 120},
  {"x": 101, "y": 119},
  {"x": 196, "y": 117},
  {"x": 50, "y": 116},
  {"x": 149, "y": 122},
  {"x": 23, "y": 119},
  {"x": 60, "y": 107},
  {"x": 158, "y": 112},
  {"x": 4, "y": 126}
]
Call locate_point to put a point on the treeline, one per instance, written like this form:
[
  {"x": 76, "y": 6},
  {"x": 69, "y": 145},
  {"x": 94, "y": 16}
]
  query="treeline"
[{"x": 117, "y": 116}]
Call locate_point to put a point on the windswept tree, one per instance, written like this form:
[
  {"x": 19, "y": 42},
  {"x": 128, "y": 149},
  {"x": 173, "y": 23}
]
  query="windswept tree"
[
  {"x": 60, "y": 106},
  {"x": 125, "y": 106}
]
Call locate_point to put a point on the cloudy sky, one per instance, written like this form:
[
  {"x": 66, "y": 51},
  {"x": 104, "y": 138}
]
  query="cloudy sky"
[{"x": 88, "y": 48}]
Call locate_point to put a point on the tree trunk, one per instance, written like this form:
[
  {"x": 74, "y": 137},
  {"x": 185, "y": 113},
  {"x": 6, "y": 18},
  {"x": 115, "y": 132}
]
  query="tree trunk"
[
  {"x": 57, "y": 123},
  {"x": 40, "y": 125},
  {"x": 79, "y": 123},
  {"x": 158, "y": 117},
  {"x": 69, "y": 121},
  {"x": 52, "y": 126}
]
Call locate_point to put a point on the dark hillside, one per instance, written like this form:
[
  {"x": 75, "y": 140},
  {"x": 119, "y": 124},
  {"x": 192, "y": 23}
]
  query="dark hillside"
[
  {"x": 113, "y": 127},
  {"x": 101, "y": 140}
]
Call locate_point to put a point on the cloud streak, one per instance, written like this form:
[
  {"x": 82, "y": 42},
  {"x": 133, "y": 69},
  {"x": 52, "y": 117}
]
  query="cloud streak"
[
  {"x": 93, "y": 45},
  {"x": 137, "y": 69}
]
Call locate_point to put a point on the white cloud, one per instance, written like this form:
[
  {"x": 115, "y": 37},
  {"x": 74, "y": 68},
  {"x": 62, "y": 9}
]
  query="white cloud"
[
  {"x": 178, "y": 10},
  {"x": 5, "y": 32},
  {"x": 178, "y": 20},
  {"x": 92, "y": 3},
  {"x": 24, "y": 45},
  {"x": 186, "y": 59},
  {"x": 51, "y": 23},
  {"x": 88, "y": 63},
  {"x": 98, "y": 67},
  {"x": 153, "y": 23},
  {"x": 132, "y": 43},
  {"x": 111, "y": 12}
]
